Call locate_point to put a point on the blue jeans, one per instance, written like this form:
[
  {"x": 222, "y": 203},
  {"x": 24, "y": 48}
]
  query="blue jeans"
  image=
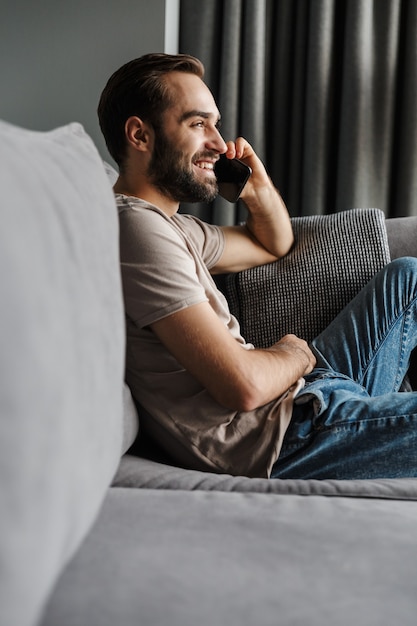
[{"x": 351, "y": 420}]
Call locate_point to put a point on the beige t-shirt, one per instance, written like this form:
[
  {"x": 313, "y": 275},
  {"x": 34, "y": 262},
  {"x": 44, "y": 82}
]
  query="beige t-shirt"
[{"x": 165, "y": 263}]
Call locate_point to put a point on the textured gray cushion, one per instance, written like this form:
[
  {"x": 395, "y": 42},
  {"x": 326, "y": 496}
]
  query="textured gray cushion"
[
  {"x": 333, "y": 258},
  {"x": 159, "y": 558},
  {"x": 61, "y": 356}
]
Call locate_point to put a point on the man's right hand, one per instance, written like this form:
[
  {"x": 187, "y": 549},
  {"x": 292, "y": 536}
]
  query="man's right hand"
[{"x": 299, "y": 348}]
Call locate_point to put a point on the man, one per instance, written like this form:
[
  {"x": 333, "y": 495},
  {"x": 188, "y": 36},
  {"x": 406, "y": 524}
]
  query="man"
[{"x": 211, "y": 400}]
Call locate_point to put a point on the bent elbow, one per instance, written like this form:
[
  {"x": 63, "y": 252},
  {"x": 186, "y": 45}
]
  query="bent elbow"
[
  {"x": 248, "y": 404},
  {"x": 286, "y": 249},
  {"x": 249, "y": 398},
  {"x": 242, "y": 398}
]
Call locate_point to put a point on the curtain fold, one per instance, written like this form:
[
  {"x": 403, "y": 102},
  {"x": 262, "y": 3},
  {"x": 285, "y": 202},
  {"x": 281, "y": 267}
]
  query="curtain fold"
[{"x": 325, "y": 91}]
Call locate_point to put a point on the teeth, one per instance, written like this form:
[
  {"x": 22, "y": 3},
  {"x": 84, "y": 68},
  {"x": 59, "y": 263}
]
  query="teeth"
[{"x": 205, "y": 165}]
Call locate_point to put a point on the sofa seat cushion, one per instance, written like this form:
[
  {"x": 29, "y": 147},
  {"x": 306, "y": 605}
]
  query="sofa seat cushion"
[
  {"x": 181, "y": 558},
  {"x": 61, "y": 356},
  {"x": 141, "y": 473}
]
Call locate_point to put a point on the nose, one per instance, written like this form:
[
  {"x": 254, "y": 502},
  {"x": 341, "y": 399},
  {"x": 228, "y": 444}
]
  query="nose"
[{"x": 216, "y": 142}]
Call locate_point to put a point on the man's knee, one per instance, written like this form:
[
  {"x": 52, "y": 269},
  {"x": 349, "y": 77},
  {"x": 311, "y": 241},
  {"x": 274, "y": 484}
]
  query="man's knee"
[{"x": 404, "y": 263}]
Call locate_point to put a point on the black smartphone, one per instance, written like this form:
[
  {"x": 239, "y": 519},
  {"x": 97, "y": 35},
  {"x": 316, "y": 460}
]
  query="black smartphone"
[{"x": 232, "y": 175}]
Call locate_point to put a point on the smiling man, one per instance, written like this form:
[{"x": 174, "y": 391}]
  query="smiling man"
[{"x": 211, "y": 400}]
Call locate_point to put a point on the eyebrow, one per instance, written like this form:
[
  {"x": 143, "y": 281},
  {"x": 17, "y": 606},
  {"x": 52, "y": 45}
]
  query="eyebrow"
[{"x": 196, "y": 113}]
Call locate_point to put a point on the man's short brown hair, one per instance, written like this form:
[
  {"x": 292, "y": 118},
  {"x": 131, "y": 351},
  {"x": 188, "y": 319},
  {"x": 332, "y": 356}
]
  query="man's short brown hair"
[{"x": 138, "y": 88}]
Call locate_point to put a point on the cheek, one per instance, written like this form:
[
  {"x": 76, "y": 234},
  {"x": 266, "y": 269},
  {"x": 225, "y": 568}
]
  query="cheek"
[{"x": 188, "y": 145}]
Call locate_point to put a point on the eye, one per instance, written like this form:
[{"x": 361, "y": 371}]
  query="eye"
[{"x": 199, "y": 124}]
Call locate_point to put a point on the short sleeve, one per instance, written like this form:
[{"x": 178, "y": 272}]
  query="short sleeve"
[
  {"x": 208, "y": 238},
  {"x": 158, "y": 265}
]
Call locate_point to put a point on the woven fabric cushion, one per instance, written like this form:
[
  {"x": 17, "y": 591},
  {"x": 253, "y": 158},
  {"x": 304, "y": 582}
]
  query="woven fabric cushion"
[
  {"x": 61, "y": 356},
  {"x": 333, "y": 258}
]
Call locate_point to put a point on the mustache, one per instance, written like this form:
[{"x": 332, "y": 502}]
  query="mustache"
[{"x": 206, "y": 154}]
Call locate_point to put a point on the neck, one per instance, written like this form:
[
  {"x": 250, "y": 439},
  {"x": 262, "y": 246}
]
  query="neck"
[{"x": 138, "y": 187}]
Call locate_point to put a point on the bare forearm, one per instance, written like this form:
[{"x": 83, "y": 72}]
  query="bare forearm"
[
  {"x": 265, "y": 374},
  {"x": 268, "y": 220},
  {"x": 238, "y": 378}
]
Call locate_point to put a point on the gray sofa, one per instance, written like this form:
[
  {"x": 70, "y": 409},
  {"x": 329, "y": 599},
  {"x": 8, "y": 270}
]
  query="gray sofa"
[{"x": 97, "y": 528}]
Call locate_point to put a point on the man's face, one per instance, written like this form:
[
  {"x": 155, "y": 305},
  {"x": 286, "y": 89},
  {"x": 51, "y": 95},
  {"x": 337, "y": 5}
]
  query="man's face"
[
  {"x": 173, "y": 174},
  {"x": 188, "y": 143}
]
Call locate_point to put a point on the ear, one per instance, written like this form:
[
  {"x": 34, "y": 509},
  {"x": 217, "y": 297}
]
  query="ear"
[{"x": 137, "y": 134}]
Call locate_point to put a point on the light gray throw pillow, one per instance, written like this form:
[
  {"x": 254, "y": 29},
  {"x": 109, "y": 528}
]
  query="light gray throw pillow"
[{"x": 61, "y": 356}]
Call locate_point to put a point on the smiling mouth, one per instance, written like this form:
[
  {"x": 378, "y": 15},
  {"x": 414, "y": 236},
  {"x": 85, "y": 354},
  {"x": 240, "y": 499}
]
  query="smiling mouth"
[{"x": 205, "y": 165}]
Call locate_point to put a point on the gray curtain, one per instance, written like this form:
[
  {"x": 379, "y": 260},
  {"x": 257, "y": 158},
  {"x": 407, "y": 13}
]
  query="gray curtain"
[{"x": 326, "y": 92}]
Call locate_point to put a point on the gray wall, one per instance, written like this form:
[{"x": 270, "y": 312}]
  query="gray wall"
[{"x": 56, "y": 55}]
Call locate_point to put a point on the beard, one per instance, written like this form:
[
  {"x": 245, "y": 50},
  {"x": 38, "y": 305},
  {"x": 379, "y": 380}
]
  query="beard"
[{"x": 174, "y": 176}]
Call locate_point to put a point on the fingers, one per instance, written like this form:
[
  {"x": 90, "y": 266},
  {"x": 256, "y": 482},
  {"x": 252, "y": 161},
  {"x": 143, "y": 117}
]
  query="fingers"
[
  {"x": 242, "y": 150},
  {"x": 239, "y": 149},
  {"x": 300, "y": 347}
]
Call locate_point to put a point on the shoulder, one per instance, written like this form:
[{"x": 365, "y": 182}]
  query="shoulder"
[
  {"x": 141, "y": 222},
  {"x": 195, "y": 225},
  {"x": 145, "y": 226},
  {"x": 208, "y": 239},
  {"x": 130, "y": 208}
]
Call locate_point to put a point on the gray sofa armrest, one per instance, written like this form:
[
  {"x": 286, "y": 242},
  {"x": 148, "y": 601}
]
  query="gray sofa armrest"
[
  {"x": 402, "y": 241},
  {"x": 402, "y": 236}
]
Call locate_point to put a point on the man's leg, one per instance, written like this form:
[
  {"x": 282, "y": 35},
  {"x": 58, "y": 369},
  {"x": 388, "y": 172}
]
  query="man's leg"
[
  {"x": 352, "y": 436},
  {"x": 356, "y": 426},
  {"x": 372, "y": 338}
]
